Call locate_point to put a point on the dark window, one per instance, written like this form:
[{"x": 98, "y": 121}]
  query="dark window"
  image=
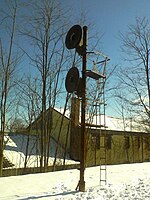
[
  {"x": 147, "y": 144},
  {"x": 127, "y": 142},
  {"x": 108, "y": 142},
  {"x": 138, "y": 141},
  {"x": 96, "y": 139}
]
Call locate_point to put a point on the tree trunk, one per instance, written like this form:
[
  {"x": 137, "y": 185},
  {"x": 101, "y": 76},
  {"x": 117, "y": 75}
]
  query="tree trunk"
[{"x": 1, "y": 154}]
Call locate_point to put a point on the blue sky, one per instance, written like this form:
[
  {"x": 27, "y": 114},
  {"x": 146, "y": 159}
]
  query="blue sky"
[{"x": 110, "y": 17}]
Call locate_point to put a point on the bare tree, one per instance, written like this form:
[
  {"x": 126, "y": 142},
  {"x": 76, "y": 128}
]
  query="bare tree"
[
  {"x": 134, "y": 78},
  {"x": 28, "y": 101},
  {"x": 8, "y": 63},
  {"x": 45, "y": 30}
]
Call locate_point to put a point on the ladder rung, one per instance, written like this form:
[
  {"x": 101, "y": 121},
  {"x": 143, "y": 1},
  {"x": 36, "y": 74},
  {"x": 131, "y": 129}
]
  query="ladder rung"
[
  {"x": 103, "y": 180},
  {"x": 104, "y": 126},
  {"x": 95, "y": 125},
  {"x": 102, "y": 169}
]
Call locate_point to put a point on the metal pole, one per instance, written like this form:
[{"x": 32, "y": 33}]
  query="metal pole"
[{"x": 83, "y": 109}]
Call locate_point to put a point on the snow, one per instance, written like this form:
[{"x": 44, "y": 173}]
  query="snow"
[
  {"x": 124, "y": 182},
  {"x": 113, "y": 123},
  {"x": 15, "y": 151}
]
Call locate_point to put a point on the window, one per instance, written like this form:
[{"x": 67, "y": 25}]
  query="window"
[
  {"x": 138, "y": 141},
  {"x": 127, "y": 142},
  {"x": 96, "y": 139},
  {"x": 147, "y": 143},
  {"x": 108, "y": 142}
]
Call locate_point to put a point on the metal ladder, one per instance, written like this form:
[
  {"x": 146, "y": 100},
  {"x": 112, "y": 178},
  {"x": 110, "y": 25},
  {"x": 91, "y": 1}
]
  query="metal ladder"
[
  {"x": 102, "y": 146},
  {"x": 103, "y": 158},
  {"x": 99, "y": 106},
  {"x": 103, "y": 133}
]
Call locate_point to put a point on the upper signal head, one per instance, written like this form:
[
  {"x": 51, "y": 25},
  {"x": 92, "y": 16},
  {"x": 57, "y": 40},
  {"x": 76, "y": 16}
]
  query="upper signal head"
[{"x": 73, "y": 37}]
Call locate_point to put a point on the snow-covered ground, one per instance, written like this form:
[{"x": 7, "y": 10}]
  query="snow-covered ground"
[{"x": 124, "y": 182}]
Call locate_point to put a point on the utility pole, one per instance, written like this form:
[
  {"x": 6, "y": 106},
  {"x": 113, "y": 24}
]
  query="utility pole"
[
  {"x": 73, "y": 39},
  {"x": 83, "y": 109}
]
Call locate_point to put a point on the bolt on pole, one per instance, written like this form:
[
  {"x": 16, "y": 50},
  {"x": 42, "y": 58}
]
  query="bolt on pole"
[{"x": 83, "y": 110}]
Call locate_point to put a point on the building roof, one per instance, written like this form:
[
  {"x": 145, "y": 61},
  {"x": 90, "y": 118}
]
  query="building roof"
[{"x": 112, "y": 123}]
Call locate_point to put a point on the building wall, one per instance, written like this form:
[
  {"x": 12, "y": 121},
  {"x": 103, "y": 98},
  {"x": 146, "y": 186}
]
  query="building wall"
[
  {"x": 58, "y": 128},
  {"x": 128, "y": 147},
  {"x": 125, "y": 147}
]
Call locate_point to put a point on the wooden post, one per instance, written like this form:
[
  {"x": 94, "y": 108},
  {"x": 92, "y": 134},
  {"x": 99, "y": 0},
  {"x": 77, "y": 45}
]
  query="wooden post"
[
  {"x": 74, "y": 131},
  {"x": 83, "y": 109}
]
